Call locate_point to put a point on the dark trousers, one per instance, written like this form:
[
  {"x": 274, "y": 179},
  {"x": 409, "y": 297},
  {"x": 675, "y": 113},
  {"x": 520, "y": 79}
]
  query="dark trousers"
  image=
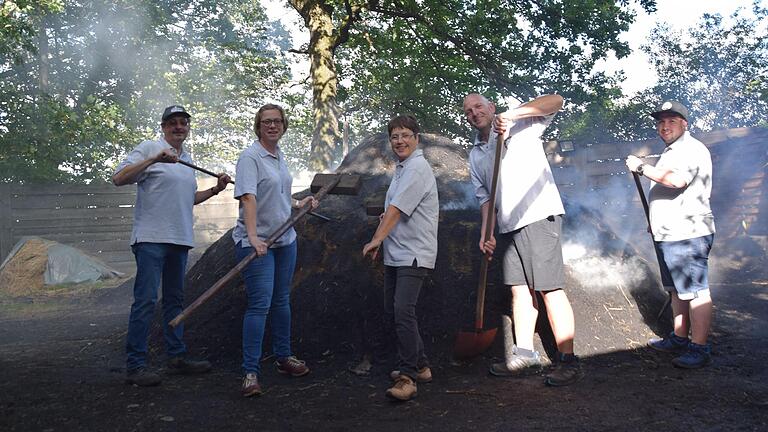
[{"x": 402, "y": 286}]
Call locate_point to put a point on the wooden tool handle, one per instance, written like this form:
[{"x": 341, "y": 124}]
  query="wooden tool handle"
[
  {"x": 662, "y": 264},
  {"x": 211, "y": 173},
  {"x": 489, "y": 223},
  {"x": 210, "y": 292}
]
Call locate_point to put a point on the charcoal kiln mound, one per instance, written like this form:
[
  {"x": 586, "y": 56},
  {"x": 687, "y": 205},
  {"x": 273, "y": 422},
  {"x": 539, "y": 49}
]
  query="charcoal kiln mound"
[{"x": 337, "y": 297}]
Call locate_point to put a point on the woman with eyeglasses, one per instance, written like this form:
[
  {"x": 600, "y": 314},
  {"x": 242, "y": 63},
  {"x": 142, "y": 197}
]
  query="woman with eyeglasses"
[
  {"x": 264, "y": 189},
  {"x": 407, "y": 233}
]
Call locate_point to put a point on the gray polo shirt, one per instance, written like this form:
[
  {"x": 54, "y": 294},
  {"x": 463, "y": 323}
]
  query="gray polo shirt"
[
  {"x": 265, "y": 176},
  {"x": 685, "y": 213},
  {"x": 413, "y": 191},
  {"x": 165, "y": 195}
]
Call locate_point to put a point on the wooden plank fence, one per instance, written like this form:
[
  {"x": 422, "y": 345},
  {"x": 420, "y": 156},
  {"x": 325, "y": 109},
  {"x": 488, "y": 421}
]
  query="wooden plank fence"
[{"x": 96, "y": 219}]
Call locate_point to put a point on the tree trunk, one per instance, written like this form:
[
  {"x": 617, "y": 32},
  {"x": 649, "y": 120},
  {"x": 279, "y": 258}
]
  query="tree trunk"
[
  {"x": 43, "y": 57},
  {"x": 318, "y": 19}
]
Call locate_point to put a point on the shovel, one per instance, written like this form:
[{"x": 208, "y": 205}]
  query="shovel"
[
  {"x": 662, "y": 265},
  {"x": 474, "y": 342},
  {"x": 340, "y": 184}
]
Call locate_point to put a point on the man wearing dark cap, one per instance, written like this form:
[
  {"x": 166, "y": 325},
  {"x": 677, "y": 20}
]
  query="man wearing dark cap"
[
  {"x": 683, "y": 228},
  {"x": 161, "y": 238}
]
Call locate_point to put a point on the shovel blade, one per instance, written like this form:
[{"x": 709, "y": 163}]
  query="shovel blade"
[{"x": 473, "y": 343}]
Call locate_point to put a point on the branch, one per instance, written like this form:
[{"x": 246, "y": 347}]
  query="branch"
[
  {"x": 476, "y": 53},
  {"x": 353, "y": 14}
]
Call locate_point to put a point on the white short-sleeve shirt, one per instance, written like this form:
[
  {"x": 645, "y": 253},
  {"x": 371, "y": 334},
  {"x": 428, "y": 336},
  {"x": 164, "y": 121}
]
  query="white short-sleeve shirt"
[
  {"x": 526, "y": 191},
  {"x": 684, "y": 213}
]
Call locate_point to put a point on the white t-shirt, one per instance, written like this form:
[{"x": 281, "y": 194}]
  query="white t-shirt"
[
  {"x": 527, "y": 191},
  {"x": 685, "y": 213}
]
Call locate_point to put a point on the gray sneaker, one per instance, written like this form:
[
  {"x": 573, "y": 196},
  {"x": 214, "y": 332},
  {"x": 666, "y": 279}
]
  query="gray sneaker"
[
  {"x": 517, "y": 365},
  {"x": 142, "y": 377}
]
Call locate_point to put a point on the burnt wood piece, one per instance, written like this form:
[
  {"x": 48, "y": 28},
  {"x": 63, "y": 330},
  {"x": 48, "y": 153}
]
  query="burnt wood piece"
[{"x": 348, "y": 185}]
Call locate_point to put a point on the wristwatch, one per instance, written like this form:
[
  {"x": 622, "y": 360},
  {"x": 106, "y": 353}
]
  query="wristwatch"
[{"x": 640, "y": 168}]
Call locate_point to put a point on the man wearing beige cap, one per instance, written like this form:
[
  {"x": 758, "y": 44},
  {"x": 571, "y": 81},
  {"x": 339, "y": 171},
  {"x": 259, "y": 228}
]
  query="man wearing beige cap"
[{"x": 683, "y": 228}]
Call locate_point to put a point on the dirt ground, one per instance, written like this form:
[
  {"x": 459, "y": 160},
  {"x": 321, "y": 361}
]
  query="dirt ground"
[{"x": 61, "y": 369}]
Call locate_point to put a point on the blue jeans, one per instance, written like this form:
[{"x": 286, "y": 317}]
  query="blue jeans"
[
  {"x": 156, "y": 262},
  {"x": 268, "y": 287}
]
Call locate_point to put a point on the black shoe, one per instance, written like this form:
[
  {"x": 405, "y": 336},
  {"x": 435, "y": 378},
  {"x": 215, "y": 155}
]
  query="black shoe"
[
  {"x": 567, "y": 371},
  {"x": 184, "y": 366},
  {"x": 142, "y": 377}
]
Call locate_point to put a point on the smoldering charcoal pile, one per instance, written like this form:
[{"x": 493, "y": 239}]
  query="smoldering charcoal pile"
[{"x": 337, "y": 297}]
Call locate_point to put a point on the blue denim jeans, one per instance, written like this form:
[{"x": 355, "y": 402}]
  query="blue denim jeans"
[
  {"x": 268, "y": 287},
  {"x": 156, "y": 262}
]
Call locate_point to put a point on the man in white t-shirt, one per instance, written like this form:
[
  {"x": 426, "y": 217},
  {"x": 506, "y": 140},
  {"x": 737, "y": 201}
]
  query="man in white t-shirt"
[
  {"x": 683, "y": 228},
  {"x": 529, "y": 214}
]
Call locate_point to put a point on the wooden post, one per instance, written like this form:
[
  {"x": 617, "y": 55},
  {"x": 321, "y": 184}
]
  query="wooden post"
[{"x": 6, "y": 225}]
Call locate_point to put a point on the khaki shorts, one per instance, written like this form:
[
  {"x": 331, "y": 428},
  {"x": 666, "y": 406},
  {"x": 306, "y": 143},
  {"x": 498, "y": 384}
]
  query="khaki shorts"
[{"x": 535, "y": 255}]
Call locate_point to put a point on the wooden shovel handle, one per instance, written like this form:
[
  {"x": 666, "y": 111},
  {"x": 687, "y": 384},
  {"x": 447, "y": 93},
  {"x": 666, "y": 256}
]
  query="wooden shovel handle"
[
  {"x": 662, "y": 265},
  {"x": 489, "y": 223},
  {"x": 210, "y": 292}
]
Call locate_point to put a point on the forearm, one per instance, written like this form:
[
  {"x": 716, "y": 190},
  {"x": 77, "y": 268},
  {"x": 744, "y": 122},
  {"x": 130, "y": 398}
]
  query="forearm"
[
  {"x": 484, "y": 215},
  {"x": 664, "y": 177},
  {"x": 388, "y": 222},
  {"x": 130, "y": 173},
  {"x": 248, "y": 202},
  {"x": 206, "y": 194},
  {"x": 539, "y": 107}
]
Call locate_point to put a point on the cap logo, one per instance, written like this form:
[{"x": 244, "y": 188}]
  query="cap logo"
[
  {"x": 176, "y": 108},
  {"x": 667, "y": 105}
]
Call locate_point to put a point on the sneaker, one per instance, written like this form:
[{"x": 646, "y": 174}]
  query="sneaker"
[
  {"x": 142, "y": 377},
  {"x": 251, "y": 385},
  {"x": 423, "y": 375},
  {"x": 403, "y": 390},
  {"x": 517, "y": 365},
  {"x": 670, "y": 344},
  {"x": 695, "y": 357},
  {"x": 566, "y": 372},
  {"x": 183, "y": 366},
  {"x": 292, "y": 366}
]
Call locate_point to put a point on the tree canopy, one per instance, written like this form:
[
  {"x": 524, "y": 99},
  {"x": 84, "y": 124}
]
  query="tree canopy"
[
  {"x": 717, "y": 68},
  {"x": 92, "y": 77},
  {"x": 83, "y": 81},
  {"x": 422, "y": 57}
]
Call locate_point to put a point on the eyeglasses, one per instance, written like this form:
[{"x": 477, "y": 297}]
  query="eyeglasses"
[
  {"x": 393, "y": 138},
  {"x": 269, "y": 122}
]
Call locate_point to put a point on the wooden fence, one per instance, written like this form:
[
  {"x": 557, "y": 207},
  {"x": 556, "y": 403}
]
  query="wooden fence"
[{"x": 98, "y": 218}]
